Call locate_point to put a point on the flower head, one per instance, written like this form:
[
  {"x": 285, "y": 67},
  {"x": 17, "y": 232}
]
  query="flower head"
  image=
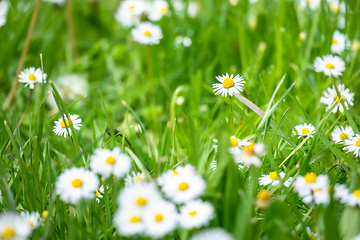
[
  {"x": 329, "y": 65},
  {"x": 273, "y": 179},
  {"x": 313, "y": 188},
  {"x": 313, "y": 4},
  {"x": 331, "y": 98},
  {"x": 304, "y": 130},
  {"x": 195, "y": 214},
  {"x": 129, "y": 221},
  {"x": 158, "y": 9},
  {"x": 134, "y": 177},
  {"x": 249, "y": 154},
  {"x": 61, "y": 125},
  {"x": 230, "y": 85},
  {"x": 147, "y": 33},
  {"x": 129, "y": 12},
  {"x": 33, "y": 219},
  {"x": 139, "y": 195},
  {"x": 338, "y": 42},
  {"x": 14, "y": 227},
  {"x": 340, "y": 134},
  {"x": 30, "y": 76},
  {"x": 353, "y": 145}
]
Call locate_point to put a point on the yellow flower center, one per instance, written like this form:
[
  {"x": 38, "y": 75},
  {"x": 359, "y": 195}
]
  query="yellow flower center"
[
  {"x": 310, "y": 178},
  {"x": 164, "y": 10},
  {"x": 45, "y": 214},
  {"x": 274, "y": 176},
  {"x": 77, "y": 183},
  {"x": 159, "y": 217},
  {"x": 31, "y": 223},
  {"x": 330, "y": 66},
  {"x": 67, "y": 121},
  {"x": 305, "y": 131},
  {"x": 337, "y": 99},
  {"x": 97, "y": 193},
  {"x": 110, "y": 160},
  {"x": 141, "y": 201},
  {"x": 356, "y": 193},
  {"x": 135, "y": 219},
  {"x": 192, "y": 213},
  {"x": 138, "y": 178},
  {"x": 357, "y": 143},
  {"x": 228, "y": 83},
  {"x": 147, "y": 33},
  {"x": 8, "y": 232},
  {"x": 132, "y": 7},
  {"x": 32, "y": 77},
  {"x": 316, "y": 190},
  {"x": 308, "y": 1},
  {"x": 249, "y": 149},
  {"x": 344, "y": 136},
  {"x": 334, "y": 41},
  {"x": 183, "y": 186},
  {"x": 175, "y": 172},
  {"x": 234, "y": 141},
  {"x": 263, "y": 195}
]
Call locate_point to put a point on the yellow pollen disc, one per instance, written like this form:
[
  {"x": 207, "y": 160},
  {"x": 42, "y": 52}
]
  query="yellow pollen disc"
[
  {"x": 234, "y": 141},
  {"x": 147, "y": 33},
  {"x": 357, "y": 143},
  {"x": 310, "y": 235},
  {"x": 193, "y": 213},
  {"x": 67, "y": 121},
  {"x": 249, "y": 149},
  {"x": 334, "y": 41},
  {"x": 263, "y": 195},
  {"x": 32, "y": 77},
  {"x": 305, "y": 131},
  {"x": 45, "y": 214},
  {"x": 110, "y": 160},
  {"x": 8, "y": 232},
  {"x": 183, "y": 186},
  {"x": 97, "y": 193},
  {"x": 316, "y": 190},
  {"x": 274, "y": 176},
  {"x": 164, "y": 10},
  {"x": 77, "y": 183},
  {"x": 337, "y": 99},
  {"x": 138, "y": 178},
  {"x": 330, "y": 66},
  {"x": 310, "y": 178},
  {"x": 158, "y": 218},
  {"x": 141, "y": 201},
  {"x": 228, "y": 83},
  {"x": 31, "y": 223},
  {"x": 175, "y": 172},
  {"x": 356, "y": 193},
  {"x": 344, "y": 136},
  {"x": 308, "y": 1},
  {"x": 135, "y": 219},
  {"x": 132, "y": 7}
]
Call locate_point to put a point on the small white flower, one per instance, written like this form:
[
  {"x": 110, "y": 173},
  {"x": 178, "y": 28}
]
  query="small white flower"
[
  {"x": 212, "y": 234},
  {"x": 60, "y": 125},
  {"x": 329, "y": 65},
  {"x": 307, "y": 186},
  {"x": 30, "y": 76},
  {"x": 147, "y": 33},
  {"x": 353, "y": 199},
  {"x": 304, "y": 130},
  {"x": 340, "y": 134},
  {"x": 158, "y": 9},
  {"x": 107, "y": 162},
  {"x": 229, "y": 85},
  {"x": 237, "y": 142},
  {"x": 75, "y": 184},
  {"x": 160, "y": 219},
  {"x": 331, "y": 98},
  {"x": 33, "y": 219},
  {"x": 134, "y": 177},
  {"x": 187, "y": 41},
  {"x": 129, "y": 12},
  {"x": 337, "y": 7},
  {"x": 13, "y": 226},
  {"x": 4, "y": 6},
  {"x": 353, "y": 145},
  {"x": 170, "y": 175},
  {"x": 340, "y": 192},
  {"x": 273, "y": 179},
  {"x": 139, "y": 195},
  {"x": 338, "y": 42},
  {"x": 313, "y": 4},
  {"x": 196, "y": 214},
  {"x": 129, "y": 221},
  {"x": 249, "y": 155},
  {"x": 99, "y": 193}
]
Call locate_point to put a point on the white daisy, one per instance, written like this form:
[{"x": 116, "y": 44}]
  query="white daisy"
[
  {"x": 129, "y": 221},
  {"x": 107, "y": 162},
  {"x": 158, "y": 9},
  {"x": 305, "y": 185},
  {"x": 33, "y": 219},
  {"x": 353, "y": 199},
  {"x": 129, "y": 12},
  {"x": 340, "y": 192},
  {"x": 321, "y": 195},
  {"x": 183, "y": 40},
  {"x": 193, "y": 9},
  {"x": 75, "y": 184},
  {"x": 160, "y": 219},
  {"x": 338, "y": 42},
  {"x": 249, "y": 154},
  {"x": 304, "y": 130},
  {"x": 134, "y": 177},
  {"x": 4, "y": 6},
  {"x": 99, "y": 193},
  {"x": 139, "y": 195},
  {"x": 12, "y": 226},
  {"x": 273, "y": 179},
  {"x": 330, "y": 98},
  {"x": 340, "y": 134},
  {"x": 30, "y": 76},
  {"x": 170, "y": 175},
  {"x": 60, "y": 125},
  {"x": 337, "y": 7},
  {"x": 237, "y": 142},
  {"x": 229, "y": 85},
  {"x": 147, "y": 33},
  {"x": 329, "y": 65},
  {"x": 196, "y": 214},
  {"x": 263, "y": 199},
  {"x": 212, "y": 234},
  {"x": 313, "y": 4},
  {"x": 353, "y": 145}
]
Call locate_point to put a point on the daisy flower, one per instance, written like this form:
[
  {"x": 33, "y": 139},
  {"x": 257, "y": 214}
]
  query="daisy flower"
[
  {"x": 183, "y": 40},
  {"x": 340, "y": 192},
  {"x": 33, "y": 219},
  {"x": 129, "y": 221},
  {"x": 330, "y": 98},
  {"x": 30, "y": 76},
  {"x": 99, "y": 193},
  {"x": 336, "y": 6},
  {"x": 212, "y": 234},
  {"x": 236, "y": 142},
  {"x": 3, "y": 12},
  {"x": 147, "y": 33},
  {"x": 160, "y": 219},
  {"x": 342, "y": 133},
  {"x": 273, "y": 179},
  {"x": 129, "y": 12},
  {"x": 263, "y": 199},
  {"x": 12, "y": 226},
  {"x": 249, "y": 154},
  {"x": 304, "y": 185},
  {"x": 196, "y": 214},
  {"x": 107, "y": 162},
  {"x": 139, "y": 195},
  {"x": 134, "y": 177},
  {"x": 75, "y": 184},
  {"x": 353, "y": 199},
  {"x": 353, "y": 145},
  {"x": 320, "y": 195},
  {"x": 338, "y": 42},
  {"x": 230, "y": 85},
  {"x": 313, "y": 4},
  {"x": 170, "y": 175},
  {"x": 304, "y": 130},
  {"x": 158, "y": 9},
  {"x": 60, "y": 125},
  {"x": 329, "y": 65}
]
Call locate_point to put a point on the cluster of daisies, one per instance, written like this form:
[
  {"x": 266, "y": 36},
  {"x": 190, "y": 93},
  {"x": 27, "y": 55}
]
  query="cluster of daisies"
[{"x": 157, "y": 209}]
